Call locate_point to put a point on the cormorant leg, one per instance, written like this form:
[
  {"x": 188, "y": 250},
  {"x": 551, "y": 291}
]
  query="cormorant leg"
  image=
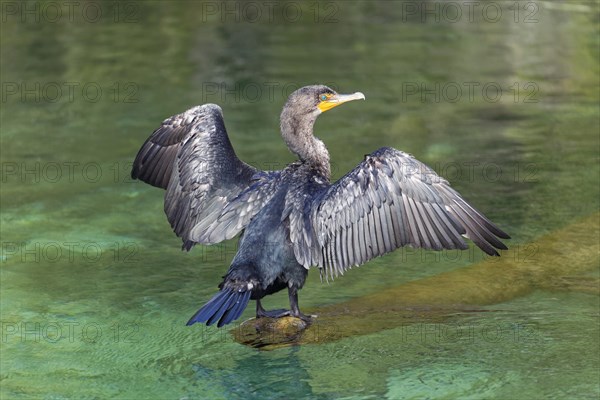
[
  {"x": 295, "y": 310},
  {"x": 261, "y": 312}
]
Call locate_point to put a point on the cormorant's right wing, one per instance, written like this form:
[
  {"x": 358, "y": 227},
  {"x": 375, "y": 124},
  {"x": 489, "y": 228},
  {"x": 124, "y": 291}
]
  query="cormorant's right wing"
[{"x": 191, "y": 156}]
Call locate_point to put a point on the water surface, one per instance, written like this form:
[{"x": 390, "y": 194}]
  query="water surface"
[{"x": 95, "y": 291}]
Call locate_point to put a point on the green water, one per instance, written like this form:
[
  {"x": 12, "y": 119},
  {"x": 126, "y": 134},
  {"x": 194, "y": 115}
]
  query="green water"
[{"x": 95, "y": 291}]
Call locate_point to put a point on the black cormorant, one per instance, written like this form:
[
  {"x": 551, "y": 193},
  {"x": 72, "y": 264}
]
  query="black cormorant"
[{"x": 295, "y": 218}]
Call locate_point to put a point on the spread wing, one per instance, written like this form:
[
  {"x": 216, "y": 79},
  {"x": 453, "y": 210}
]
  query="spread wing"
[
  {"x": 389, "y": 200},
  {"x": 191, "y": 156}
]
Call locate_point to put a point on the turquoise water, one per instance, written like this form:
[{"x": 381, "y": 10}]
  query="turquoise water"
[{"x": 95, "y": 291}]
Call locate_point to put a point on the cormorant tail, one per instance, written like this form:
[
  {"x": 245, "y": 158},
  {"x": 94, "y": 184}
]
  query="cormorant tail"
[{"x": 225, "y": 306}]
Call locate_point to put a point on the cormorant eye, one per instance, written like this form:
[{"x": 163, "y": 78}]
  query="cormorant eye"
[{"x": 323, "y": 97}]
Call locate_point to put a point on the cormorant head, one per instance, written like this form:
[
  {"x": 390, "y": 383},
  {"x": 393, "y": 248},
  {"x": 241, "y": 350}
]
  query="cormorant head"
[
  {"x": 316, "y": 99},
  {"x": 298, "y": 117}
]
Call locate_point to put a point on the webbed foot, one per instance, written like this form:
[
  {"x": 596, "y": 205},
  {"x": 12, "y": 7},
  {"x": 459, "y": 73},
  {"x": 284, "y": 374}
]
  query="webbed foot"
[
  {"x": 306, "y": 318},
  {"x": 261, "y": 312}
]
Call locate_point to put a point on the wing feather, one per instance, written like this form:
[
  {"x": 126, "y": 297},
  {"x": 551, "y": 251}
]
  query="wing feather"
[
  {"x": 387, "y": 227},
  {"x": 211, "y": 194},
  {"x": 371, "y": 236},
  {"x": 388, "y": 201},
  {"x": 412, "y": 223}
]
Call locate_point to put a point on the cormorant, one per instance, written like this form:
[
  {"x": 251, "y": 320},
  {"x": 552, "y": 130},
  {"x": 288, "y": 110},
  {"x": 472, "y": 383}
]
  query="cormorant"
[{"x": 296, "y": 218}]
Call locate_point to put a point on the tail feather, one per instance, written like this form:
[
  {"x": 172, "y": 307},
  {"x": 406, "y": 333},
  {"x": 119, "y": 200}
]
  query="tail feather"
[
  {"x": 213, "y": 305},
  {"x": 225, "y": 306},
  {"x": 236, "y": 310}
]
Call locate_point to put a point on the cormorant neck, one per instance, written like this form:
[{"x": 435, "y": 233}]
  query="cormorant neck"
[{"x": 297, "y": 131}]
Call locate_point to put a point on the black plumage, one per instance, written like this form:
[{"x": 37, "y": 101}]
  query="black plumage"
[{"x": 295, "y": 218}]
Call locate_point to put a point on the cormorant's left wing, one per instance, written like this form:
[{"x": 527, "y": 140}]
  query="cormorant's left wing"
[
  {"x": 388, "y": 201},
  {"x": 211, "y": 194}
]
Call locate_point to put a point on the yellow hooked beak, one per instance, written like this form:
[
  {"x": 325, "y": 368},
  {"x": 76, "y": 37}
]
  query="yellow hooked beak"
[{"x": 337, "y": 99}]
